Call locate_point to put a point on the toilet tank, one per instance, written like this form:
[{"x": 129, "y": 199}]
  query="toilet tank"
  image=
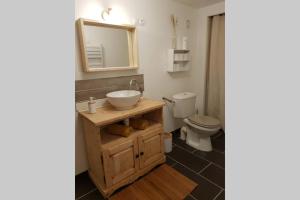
[{"x": 184, "y": 105}]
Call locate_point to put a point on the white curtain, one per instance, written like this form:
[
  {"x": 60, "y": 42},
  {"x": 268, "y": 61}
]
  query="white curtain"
[{"x": 215, "y": 79}]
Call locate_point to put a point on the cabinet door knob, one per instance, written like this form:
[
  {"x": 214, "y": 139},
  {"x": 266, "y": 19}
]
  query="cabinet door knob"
[
  {"x": 137, "y": 156},
  {"x": 142, "y": 153}
]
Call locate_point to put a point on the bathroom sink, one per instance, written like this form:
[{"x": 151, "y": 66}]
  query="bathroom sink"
[{"x": 123, "y": 99}]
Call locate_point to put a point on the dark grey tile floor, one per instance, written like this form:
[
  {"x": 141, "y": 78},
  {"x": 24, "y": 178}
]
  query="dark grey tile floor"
[{"x": 205, "y": 168}]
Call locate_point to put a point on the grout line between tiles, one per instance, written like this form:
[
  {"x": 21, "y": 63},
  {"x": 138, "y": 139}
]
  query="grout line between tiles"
[
  {"x": 218, "y": 194},
  {"x": 209, "y": 161},
  {"x": 193, "y": 197},
  {"x": 183, "y": 165},
  {"x": 210, "y": 181},
  {"x": 209, "y": 164},
  {"x": 198, "y": 174},
  {"x": 173, "y": 165},
  {"x": 218, "y": 166},
  {"x": 200, "y": 157},
  {"x": 86, "y": 193},
  {"x": 173, "y": 160},
  {"x": 216, "y": 150},
  {"x": 194, "y": 151},
  {"x": 219, "y": 134},
  {"x": 186, "y": 149}
]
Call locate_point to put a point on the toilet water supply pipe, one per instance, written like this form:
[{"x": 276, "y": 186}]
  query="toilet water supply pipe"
[{"x": 183, "y": 133}]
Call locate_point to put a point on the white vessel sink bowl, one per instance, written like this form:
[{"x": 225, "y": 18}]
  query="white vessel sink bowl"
[{"x": 123, "y": 99}]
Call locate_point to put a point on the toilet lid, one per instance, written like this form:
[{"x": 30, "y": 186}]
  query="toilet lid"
[{"x": 204, "y": 121}]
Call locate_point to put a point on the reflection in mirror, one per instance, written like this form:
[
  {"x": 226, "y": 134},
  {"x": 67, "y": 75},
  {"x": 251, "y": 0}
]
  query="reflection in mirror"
[{"x": 106, "y": 47}]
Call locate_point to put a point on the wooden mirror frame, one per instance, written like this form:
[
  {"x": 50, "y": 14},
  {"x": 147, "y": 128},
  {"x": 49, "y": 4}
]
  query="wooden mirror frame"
[{"x": 132, "y": 45}]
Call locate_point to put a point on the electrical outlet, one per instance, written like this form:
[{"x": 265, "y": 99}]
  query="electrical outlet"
[{"x": 141, "y": 22}]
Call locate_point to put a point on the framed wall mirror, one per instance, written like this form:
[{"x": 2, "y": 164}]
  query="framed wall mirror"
[{"x": 107, "y": 47}]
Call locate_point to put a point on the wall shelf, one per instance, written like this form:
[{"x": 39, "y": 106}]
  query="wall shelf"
[
  {"x": 178, "y": 60},
  {"x": 181, "y": 50}
]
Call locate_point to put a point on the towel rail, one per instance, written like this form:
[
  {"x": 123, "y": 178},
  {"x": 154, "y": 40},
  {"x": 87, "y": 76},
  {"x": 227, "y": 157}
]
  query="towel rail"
[{"x": 169, "y": 100}]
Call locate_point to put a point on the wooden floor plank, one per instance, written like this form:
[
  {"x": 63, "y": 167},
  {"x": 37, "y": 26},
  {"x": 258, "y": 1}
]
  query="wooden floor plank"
[
  {"x": 167, "y": 190},
  {"x": 173, "y": 186},
  {"x": 163, "y": 183},
  {"x": 147, "y": 188},
  {"x": 178, "y": 177}
]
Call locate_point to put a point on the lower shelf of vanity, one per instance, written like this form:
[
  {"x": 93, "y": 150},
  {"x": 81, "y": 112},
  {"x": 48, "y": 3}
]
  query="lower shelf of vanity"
[
  {"x": 108, "y": 140},
  {"x": 126, "y": 158}
]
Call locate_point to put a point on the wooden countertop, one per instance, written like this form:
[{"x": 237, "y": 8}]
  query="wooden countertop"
[{"x": 108, "y": 114}]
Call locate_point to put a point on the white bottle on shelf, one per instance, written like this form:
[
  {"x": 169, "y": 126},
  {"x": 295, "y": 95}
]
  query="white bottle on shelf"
[{"x": 184, "y": 43}]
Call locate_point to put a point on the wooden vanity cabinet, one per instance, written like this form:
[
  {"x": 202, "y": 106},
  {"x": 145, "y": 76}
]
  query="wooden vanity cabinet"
[{"x": 115, "y": 161}]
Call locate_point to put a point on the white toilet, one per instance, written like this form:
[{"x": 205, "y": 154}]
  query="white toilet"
[{"x": 198, "y": 128}]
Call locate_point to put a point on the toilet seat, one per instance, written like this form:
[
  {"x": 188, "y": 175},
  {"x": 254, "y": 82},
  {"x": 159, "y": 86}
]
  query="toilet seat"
[
  {"x": 204, "y": 121},
  {"x": 197, "y": 135}
]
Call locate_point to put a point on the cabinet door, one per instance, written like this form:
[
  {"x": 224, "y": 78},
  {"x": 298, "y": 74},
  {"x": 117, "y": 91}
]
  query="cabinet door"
[
  {"x": 151, "y": 147},
  {"x": 120, "y": 161}
]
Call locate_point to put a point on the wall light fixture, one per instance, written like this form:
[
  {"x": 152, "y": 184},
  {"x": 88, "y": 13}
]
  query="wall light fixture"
[{"x": 105, "y": 13}]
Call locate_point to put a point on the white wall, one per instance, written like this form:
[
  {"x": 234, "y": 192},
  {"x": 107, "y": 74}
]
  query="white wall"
[{"x": 154, "y": 40}]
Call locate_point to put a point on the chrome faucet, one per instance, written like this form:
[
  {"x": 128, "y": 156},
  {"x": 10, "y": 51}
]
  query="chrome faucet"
[{"x": 134, "y": 81}]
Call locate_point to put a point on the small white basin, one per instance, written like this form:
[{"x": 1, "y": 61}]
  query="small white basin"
[{"x": 123, "y": 99}]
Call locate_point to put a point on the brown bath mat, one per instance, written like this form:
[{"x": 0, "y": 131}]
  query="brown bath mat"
[{"x": 161, "y": 184}]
